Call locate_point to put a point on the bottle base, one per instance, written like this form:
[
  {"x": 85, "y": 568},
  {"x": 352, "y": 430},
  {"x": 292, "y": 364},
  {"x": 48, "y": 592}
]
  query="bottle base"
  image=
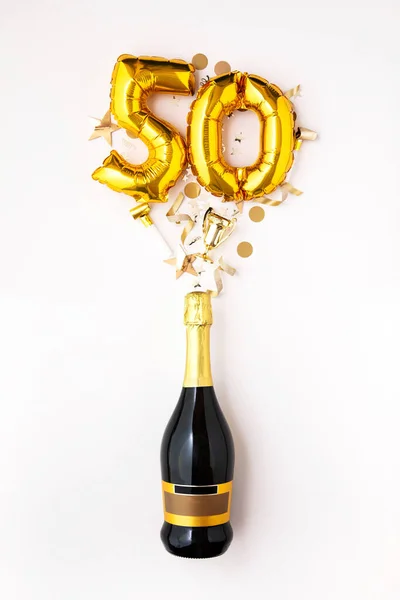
[{"x": 196, "y": 542}]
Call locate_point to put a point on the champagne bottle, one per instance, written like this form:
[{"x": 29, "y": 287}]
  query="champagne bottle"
[{"x": 197, "y": 453}]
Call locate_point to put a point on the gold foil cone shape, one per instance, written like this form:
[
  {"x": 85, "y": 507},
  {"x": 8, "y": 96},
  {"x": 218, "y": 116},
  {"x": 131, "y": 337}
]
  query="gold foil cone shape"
[
  {"x": 220, "y": 97},
  {"x": 133, "y": 80},
  {"x": 198, "y": 309},
  {"x": 141, "y": 211},
  {"x": 216, "y": 229},
  {"x": 306, "y": 134}
]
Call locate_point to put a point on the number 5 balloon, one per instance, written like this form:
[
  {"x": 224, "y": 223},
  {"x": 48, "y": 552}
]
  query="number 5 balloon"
[
  {"x": 219, "y": 97},
  {"x": 133, "y": 80}
]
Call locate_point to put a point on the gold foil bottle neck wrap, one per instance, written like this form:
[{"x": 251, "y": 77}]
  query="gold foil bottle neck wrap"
[{"x": 198, "y": 310}]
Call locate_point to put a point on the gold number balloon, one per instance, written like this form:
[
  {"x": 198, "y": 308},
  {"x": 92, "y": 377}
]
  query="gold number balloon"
[
  {"x": 220, "y": 96},
  {"x": 133, "y": 80}
]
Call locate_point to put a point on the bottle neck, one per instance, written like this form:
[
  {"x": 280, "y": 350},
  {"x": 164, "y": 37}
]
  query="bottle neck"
[{"x": 198, "y": 365}]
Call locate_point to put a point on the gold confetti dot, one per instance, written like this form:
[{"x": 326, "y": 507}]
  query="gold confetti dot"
[
  {"x": 257, "y": 213},
  {"x": 245, "y": 249},
  {"x": 192, "y": 190},
  {"x": 222, "y": 67},
  {"x": 200, "y": 61},
  {"x": 132, "y": 135}
]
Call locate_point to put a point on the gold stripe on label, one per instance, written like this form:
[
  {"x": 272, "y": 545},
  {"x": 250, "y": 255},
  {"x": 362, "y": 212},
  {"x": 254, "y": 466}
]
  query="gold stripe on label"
[
  {"x": 197, "y": 510},
  {"x": 196, "y": 521}
]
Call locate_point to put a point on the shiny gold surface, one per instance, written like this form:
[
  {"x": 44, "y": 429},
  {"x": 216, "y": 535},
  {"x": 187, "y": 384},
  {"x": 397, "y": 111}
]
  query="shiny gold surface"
[
  {"x": 198, "y": 367},
  {"x": 192, "y": 190},
  {"x": 141, "y": 211},
  {"x": 198, "y": 309},
  {"x": 221, "y": 96},
  {"x": 198, "y": 504},
  {"x": 216, "y": 229},
  {"x": 198, "y": 318},
  {"x": 134, "y": 79}
]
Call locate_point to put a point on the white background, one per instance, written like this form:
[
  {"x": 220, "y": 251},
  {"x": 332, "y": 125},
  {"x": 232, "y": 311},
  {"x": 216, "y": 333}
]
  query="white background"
[{"x": 306, "y": 336}]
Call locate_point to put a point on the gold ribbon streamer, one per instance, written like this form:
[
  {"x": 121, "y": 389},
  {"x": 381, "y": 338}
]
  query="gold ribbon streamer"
[
  {"x": 286, "y": 189},
  {"x": 293, "y": 92},
  {"x": 222, "y": 266},
  {"x": 174, "y": 217}
]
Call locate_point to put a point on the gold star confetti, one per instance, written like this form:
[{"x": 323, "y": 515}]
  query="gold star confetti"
[
  {"x": 105, "y": 128},
  {"x": 187, "y": 174},
  {"x": 239, "y": 205},
  {"x": 200, "y": 61},
  {"x": 222, "y": 67},
  {"x": 185, "y": 267}
]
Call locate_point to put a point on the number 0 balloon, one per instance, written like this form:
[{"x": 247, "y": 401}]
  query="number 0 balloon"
[{"x": 218, "y": 98}]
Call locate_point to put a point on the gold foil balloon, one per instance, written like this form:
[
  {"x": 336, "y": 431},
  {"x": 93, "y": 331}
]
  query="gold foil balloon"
[
  {"x": 133, "y": 80},
  {"x": 219, "y": 97}
]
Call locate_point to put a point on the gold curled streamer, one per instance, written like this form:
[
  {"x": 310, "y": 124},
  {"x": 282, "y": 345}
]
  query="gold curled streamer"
[
  {"x": 286, "y": 189},
  {"x": 175, "y": 217},
  {"x": 222, "y": 266},
  {"x": 293, "y": 92}
]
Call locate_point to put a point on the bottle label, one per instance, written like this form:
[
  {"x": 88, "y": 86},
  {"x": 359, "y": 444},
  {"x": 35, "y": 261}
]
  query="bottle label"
[{"x": 197, "y": 505}]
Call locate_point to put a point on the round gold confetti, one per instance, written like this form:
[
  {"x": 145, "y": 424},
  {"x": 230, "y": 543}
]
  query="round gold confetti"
[
  {"x": 245, "y": 249},
  {"x": 132, "y": 135},
  {"x": 200, "y": 61},
  {"x": 222, "y": 67},
  {"x": 257, "y": 213},
  {"x": 192, "y": 190}
]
